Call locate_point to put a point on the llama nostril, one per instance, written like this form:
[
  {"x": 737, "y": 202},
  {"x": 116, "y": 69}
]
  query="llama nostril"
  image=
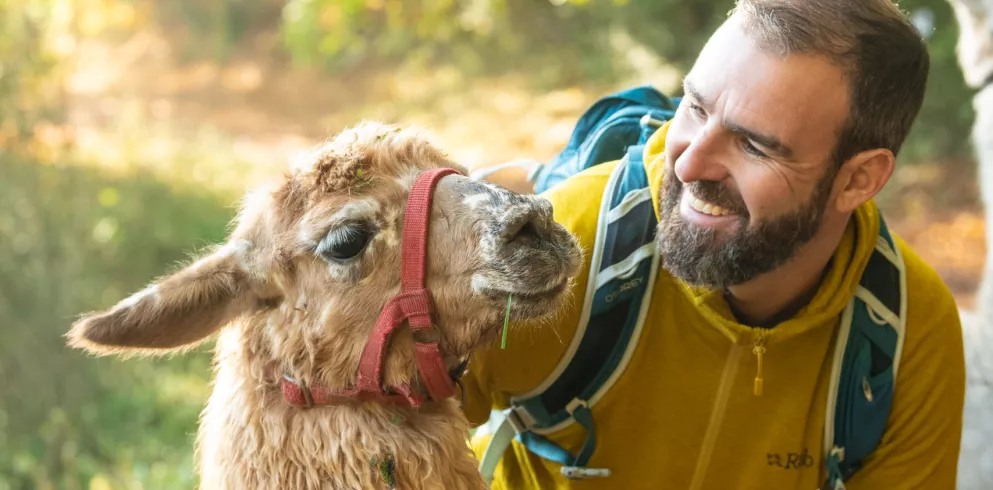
[
  {"x": 526, "y": 232},
  {"x": 527, "y": 229}
]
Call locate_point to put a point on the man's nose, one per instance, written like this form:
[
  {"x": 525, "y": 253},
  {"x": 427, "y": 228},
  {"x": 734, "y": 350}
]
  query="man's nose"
[{"x": 703, "y": 159}]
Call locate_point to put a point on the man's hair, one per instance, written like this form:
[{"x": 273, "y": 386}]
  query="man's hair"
[{"x": 884, "y": 57}]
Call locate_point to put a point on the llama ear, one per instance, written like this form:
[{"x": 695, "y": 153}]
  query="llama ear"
[{"x": 175, "y": 312}]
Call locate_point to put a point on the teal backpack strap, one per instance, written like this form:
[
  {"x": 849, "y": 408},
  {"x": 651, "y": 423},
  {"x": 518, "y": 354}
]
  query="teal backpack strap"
[
  {"x": 866, "y": 361},
  {"x": 623, "y": 271}
]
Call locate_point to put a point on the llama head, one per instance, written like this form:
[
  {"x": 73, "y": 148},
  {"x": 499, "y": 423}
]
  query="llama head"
[{"x": 313, "y": 259}]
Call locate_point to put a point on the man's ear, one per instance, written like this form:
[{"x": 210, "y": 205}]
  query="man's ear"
[
  {"x": 173, "y": 313},
  {"x": 862, "y": 177}
]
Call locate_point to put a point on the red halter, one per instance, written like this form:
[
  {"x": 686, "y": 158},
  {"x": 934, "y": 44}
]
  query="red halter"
[{"x": 413, "y": 304}]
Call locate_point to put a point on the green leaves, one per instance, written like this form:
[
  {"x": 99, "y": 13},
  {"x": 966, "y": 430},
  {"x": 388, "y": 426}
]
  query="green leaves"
[{"x": 74, "y": 239}]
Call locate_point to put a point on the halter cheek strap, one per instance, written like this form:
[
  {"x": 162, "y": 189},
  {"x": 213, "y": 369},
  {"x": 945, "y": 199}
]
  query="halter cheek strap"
[{"x": 412, "y": 305}]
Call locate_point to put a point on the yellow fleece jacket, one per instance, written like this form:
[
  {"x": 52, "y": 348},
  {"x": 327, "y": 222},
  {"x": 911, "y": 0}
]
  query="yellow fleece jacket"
[{"x": 684, "y": 414}]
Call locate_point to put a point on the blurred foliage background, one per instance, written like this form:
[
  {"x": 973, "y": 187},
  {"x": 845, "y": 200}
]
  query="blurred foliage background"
[{"x": 130, "y": 128}]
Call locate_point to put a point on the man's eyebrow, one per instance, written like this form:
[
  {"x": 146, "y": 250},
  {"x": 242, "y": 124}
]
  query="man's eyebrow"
[
  {"x": 767, "y": 140},
  {"x": 690, "y": 90}
]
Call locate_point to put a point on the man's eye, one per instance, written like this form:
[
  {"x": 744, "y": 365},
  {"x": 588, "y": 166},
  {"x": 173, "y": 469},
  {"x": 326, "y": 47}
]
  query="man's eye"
[
  {"x": 752, "y": 149},
  {"x": 345, "y": 242},
  {"x": 698, "y": 110}
]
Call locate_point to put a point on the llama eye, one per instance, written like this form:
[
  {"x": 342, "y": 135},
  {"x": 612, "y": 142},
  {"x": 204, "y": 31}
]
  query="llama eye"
[{"x": 345, "y": 242}]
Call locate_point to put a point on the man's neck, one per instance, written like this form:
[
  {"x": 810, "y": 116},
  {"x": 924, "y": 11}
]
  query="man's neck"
[{"x": 778, "y": 295}]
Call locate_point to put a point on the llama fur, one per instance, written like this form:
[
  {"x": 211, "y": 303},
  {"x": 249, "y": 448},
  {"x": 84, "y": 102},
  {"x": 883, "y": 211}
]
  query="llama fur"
[{"x": 279, "y": 305}]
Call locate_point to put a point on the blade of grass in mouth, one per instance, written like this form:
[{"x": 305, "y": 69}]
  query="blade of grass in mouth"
[{"x": 506, "y": 322}]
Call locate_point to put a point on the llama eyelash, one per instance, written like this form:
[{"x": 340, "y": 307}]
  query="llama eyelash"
[
  {"x": 343, "y": 247},
  {"x": 339, "y": 236}
]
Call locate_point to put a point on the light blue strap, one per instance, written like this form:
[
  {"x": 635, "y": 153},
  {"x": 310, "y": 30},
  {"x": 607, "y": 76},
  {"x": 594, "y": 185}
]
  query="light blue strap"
[
  {"x": 551, "y": 451},
  {"x": 545, "y": 448},
  {"x": 494, "y": 450}
]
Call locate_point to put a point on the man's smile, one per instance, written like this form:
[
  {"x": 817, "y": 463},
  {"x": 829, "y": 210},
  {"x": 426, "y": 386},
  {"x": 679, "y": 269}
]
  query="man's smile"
[{"x": 703, "y": 213}]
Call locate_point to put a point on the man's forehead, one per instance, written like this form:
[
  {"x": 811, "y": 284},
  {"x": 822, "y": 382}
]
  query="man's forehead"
[{"x": 797, "y": 98}]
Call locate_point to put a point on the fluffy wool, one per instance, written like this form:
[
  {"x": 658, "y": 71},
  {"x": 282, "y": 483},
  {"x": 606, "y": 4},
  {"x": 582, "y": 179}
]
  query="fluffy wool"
[{"x": 282, "y": 305}]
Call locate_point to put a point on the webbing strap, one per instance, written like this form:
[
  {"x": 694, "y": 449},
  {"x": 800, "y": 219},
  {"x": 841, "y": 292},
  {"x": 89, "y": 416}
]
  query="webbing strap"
[
  {"x": 413, "y": 304},
  {"x": 615, "y": 305},
  {"x": 538, "y": 444},
  {"x": 544, "y": 447},
  {"x": 866, "y": 357},
  {"x": 835, "y": 477},
  {"x": 494, "y": 450},
  {"x": 583, "y": 415}
]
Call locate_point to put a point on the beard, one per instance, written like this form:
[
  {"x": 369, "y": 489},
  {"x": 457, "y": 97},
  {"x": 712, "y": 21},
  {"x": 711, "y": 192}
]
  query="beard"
[{"x": 700, "y": 257}]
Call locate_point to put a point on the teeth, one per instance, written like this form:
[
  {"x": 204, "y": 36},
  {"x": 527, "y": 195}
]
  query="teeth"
[{"x": 707, "y": 208}]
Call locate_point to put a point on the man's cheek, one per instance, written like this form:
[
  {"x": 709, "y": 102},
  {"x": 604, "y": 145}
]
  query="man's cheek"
[{"x": 678, "y": 137}]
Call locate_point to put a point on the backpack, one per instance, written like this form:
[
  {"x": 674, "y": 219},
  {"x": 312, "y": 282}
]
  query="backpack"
[{"x": 868, "y": 342}]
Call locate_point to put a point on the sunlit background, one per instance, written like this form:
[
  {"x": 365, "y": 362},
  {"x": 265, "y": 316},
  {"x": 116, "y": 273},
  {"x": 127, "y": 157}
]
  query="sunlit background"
[{"x": 130, "y": 128}]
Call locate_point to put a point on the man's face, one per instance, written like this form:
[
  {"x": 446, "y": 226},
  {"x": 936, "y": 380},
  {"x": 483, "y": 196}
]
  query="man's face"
[{"x": 749, "y": 160}]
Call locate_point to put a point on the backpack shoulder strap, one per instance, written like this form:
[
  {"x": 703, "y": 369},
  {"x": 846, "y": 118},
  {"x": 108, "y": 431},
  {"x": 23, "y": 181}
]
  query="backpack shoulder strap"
[
  {"x": 867, "y": 353},
  {"x": 622, "y": 272},
  {"x": 623, "y": 268}
]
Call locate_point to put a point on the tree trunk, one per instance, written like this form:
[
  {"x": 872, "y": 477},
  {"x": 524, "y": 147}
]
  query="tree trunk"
[{"x": 975, "y": 55}]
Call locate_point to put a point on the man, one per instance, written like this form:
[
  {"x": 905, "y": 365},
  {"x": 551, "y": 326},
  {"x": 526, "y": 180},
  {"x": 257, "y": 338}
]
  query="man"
[{"x": 763, "y": 185}]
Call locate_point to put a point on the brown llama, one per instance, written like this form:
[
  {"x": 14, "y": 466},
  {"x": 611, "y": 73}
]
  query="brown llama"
[{"x": 318, "y": 380}]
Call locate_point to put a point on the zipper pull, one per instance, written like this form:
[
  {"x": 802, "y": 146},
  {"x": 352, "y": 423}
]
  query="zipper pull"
[{"x": 759, "y": 350}]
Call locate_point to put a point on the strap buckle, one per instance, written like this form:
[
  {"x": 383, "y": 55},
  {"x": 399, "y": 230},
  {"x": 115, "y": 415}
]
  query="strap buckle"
[
  {"x": 575, "y": 404},
  {"x": 835, "y": 481},
  {"x": 308, "y": 398},
  {"x": 516, "y": 421},
  {"x": 648, "y": 121}
]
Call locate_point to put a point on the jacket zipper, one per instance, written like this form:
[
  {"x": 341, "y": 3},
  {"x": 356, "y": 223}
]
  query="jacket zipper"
[
  {"x": 720, "y": 405},
  {"x": 759, "y": 350},
  {"x": 717, "y": 415}
]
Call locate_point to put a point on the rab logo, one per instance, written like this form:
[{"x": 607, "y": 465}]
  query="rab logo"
[
  {"x": 791, "y": 461},
  {"x": 633, "y": 283}
]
